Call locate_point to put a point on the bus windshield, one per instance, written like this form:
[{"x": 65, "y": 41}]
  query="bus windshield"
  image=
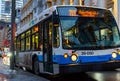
[{"x": 81, "y": 32}]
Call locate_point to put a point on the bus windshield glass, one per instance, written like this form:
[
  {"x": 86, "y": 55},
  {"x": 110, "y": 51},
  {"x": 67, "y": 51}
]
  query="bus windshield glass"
[{"x": 96, "y": 29}]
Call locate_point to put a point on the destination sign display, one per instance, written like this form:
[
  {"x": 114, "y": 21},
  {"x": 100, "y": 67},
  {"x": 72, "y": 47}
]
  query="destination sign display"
[{"x": 83, "y": 13}]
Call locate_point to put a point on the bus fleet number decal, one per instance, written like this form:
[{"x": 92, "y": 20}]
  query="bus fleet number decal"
[{"x": 87, "y": 53}]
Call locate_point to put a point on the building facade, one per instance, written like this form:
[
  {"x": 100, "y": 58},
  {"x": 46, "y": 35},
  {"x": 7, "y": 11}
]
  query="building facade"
[
  {"x": 5, "y": 20},
  {"x": 5, "y": 9},
  {"x": 4, "y": 27}
]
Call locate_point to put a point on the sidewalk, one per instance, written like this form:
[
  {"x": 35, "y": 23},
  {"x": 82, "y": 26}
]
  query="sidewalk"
[{"x": 6, "y": 74}]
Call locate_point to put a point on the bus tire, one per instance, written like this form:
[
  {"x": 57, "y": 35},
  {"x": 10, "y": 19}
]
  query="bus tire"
[{"x": 36, "y": 66}]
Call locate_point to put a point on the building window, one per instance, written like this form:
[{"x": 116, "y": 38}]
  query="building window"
[
  {"x": 55, "y": 2},
  {"x": 79, "y": 2},
  {"x": 71, "y": 2},
  {"x": 63, "y": 2},
  {"x": 49, "y": 4}
]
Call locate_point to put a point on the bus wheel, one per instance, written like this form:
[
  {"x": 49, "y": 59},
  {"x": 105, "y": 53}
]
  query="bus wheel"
[{"x": 36, "y": 66}]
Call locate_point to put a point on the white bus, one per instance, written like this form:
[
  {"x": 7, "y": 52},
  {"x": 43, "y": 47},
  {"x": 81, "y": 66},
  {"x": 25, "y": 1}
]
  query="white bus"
[{"x": 69, "y": 39}]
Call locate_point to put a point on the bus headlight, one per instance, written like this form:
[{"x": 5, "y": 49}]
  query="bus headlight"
[
  {"x": 74, "y": 57},
  {"x": 114, "y": 55}
]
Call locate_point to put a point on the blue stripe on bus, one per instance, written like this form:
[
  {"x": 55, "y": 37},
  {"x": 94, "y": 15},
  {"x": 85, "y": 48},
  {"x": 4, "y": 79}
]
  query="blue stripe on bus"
[
  {"x": 81, "y": 59},
  {"x": 40, "y": 57}
]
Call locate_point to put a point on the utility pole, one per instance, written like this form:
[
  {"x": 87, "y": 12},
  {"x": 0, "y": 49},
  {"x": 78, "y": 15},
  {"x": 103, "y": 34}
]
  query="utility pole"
[{"x": 12, "y": 59}]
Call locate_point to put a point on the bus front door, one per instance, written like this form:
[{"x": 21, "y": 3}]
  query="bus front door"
[{"x": 47, "y": 47}]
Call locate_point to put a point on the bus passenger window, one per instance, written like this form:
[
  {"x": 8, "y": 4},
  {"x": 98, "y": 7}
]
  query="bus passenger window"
[
  {"x": 27, "y": 40},
  {"x": 28, "y": 43},
  {"x": 56, "y": 37},
  {"x": 18, "y": 44},
  {"x": 35, "y": 42},
  {"x": 22, "y": 46}
]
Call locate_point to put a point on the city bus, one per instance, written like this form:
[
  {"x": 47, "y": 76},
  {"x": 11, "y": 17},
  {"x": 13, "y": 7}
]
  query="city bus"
[{"x": 69, "y": 39}]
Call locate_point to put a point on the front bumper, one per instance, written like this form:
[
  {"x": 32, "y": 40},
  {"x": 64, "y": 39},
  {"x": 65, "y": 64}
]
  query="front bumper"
[{"x": 84, "y": 67}]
